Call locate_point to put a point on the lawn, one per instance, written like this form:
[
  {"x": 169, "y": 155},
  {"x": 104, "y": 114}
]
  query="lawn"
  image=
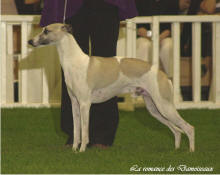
[{"x": 32, "y": 142}]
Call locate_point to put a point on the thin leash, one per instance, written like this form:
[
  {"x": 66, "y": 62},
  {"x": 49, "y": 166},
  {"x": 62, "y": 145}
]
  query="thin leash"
[{"x": 64, "y": 13}]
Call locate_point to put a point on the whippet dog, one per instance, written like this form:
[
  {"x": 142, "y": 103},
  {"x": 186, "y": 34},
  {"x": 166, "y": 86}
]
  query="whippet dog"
[{"x": 95, "y": 80}]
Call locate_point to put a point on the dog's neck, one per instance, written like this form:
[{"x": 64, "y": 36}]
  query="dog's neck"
[{"x": 70, "y": 52}]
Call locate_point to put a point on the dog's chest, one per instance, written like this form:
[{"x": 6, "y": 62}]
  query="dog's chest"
[{"x": 74, "y": 77}]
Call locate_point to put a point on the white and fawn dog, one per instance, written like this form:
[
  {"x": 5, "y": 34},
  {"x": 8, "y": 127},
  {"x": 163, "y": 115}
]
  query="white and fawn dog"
[{"x": 95, "y": 80}]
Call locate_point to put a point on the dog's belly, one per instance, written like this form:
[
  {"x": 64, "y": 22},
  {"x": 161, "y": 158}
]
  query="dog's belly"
[
  {"x": 121, "y": 86},
  {"x": 104, "y": 94}
]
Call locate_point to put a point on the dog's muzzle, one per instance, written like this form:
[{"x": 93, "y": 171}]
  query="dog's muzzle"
[
  {"x": 38, "y": 43},
  {"x": 31, "y": 42}
]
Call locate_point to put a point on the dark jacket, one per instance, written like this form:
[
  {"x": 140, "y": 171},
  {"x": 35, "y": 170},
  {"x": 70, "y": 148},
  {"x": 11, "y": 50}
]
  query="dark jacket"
[{"x": 53, "y": 10}]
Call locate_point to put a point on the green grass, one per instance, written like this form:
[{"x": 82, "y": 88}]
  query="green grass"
[{"x": 32, "y": 142}]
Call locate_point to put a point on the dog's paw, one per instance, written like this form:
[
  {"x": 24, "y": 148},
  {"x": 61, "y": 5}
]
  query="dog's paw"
[
  {"x": 82, "y": 148},
  {"x": 75, "y": 148}
]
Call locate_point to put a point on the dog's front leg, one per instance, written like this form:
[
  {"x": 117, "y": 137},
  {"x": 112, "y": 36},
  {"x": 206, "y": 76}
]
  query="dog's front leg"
[
  {"x": 76, "y": 123},
  {"x": 84, "y": 111}
]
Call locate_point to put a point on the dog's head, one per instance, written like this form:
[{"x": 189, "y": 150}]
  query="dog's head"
[{"x": 51, "y": 34}]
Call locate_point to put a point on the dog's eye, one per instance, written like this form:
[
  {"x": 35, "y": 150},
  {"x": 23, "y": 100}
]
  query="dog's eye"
[{"x": 46, "y": 31}]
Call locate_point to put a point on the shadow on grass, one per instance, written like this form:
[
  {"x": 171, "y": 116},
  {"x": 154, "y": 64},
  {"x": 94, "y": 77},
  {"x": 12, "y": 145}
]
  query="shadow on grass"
[
  {"x": 150, "y": 122},
  {"x": 146, "y": 119},
  {"x": 56, "y": 118}
]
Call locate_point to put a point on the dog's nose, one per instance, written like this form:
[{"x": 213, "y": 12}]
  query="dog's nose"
[{"x": 31, "y": 42}]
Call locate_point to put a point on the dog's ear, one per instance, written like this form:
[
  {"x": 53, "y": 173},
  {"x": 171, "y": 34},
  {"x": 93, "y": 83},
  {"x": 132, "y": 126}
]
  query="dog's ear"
[{"x": 67, "y": 28}]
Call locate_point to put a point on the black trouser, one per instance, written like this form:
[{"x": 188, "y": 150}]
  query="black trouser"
[{"x": 102, "y": 27}]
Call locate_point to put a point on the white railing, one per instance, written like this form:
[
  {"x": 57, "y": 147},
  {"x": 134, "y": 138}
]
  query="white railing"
[
  {"x": 126, "y": 47},
  {"x": 34, "y": 78},
  {"x": 214, "y": 101}
]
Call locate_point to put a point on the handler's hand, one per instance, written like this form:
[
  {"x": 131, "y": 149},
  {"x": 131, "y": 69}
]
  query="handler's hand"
[
  {"x": 184, "y": 4},
  {"x": 142, "y": 32}
]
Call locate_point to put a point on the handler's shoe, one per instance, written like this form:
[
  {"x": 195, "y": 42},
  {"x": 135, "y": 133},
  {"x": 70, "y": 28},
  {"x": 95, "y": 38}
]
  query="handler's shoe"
[{"x": 69, "y": 142}]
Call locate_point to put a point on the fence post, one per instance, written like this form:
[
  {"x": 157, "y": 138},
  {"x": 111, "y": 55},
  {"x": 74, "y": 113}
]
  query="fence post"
[
  {"x": 3, "y": 63},
  {"x": 176, "y": 61},
  {"x": 196, "y": 61},
  {"x": 9, "y": 65},
  {"x": 130, "y": 39},
  {"x": 216, "y": 63},
  {"x": 23, "y": 77},
  {"x": 155, "y": 39}
]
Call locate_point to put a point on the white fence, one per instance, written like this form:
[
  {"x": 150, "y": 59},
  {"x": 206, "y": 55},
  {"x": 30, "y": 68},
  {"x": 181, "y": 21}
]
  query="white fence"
[
  {"x": 214, "y": 100},
  {"x": 38, "y": 82},
  {"x": 42, "y": 80}
]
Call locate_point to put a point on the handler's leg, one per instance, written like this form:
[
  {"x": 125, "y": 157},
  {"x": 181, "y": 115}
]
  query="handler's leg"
[{"x": 104, "y": 116}]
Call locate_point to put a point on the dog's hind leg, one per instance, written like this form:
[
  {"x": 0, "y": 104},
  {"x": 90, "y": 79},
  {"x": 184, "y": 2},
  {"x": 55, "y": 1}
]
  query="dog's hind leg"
[
  {"x": 163, "y": 99},
  {"x": 169, "y": 113},
  {"x": 76, "y": 124},
  {"x": 187, "y": 128},
  {"x": 156, "y": 113}
]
